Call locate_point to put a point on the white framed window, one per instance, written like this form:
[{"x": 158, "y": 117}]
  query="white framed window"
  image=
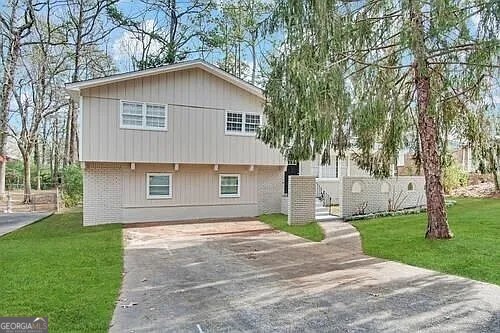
[
  {"x": 234, "y": 122},
  {"x": 229, "y": 185},
  {"x": 252, "y": 122},
  {"x": 241, "y": 123},
  {"x": 158, "y": 185},
  {"x": 138, "y": 115}
]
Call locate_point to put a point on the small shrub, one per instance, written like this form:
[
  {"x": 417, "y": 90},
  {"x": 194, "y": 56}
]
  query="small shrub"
[
  {"x": 454, "y": 177},
  {"x": 72, "y": 185}
]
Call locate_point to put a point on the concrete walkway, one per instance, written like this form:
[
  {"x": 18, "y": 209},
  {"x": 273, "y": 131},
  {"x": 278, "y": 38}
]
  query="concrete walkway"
[
  {"x": 218, "y": 278},
  {"x": 13, "y": 221}
]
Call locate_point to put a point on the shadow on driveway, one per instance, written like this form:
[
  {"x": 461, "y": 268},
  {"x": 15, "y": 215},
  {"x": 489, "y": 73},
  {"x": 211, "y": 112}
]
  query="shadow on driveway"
[{"x": 179, "y": 281}]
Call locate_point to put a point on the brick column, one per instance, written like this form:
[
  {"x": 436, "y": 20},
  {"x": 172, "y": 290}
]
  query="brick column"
[{"x": 301, "y": 206}]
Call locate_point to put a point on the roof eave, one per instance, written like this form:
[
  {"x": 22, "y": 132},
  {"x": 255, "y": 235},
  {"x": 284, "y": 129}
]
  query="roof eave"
[{"x": 75, "y": 88}]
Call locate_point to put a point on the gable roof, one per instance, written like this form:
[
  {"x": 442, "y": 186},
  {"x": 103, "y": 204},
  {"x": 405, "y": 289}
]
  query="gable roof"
[{"x": 74, "y": 88}]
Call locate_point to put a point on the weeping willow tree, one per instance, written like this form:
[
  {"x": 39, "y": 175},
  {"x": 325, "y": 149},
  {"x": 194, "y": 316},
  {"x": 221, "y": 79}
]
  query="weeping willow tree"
[{"x": 370, "y": 75}]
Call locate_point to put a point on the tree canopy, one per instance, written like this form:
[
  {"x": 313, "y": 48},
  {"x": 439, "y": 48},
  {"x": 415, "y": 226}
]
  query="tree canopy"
[{"x": 377, "y": 76}]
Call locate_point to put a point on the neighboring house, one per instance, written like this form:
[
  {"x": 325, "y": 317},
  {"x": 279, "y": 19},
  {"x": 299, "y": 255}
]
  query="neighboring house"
[
  {"x": 174, "y": 143},
  {"x": 462, "y": 154}
]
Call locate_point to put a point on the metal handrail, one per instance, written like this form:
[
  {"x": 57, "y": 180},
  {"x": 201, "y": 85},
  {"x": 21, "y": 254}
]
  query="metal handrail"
[{"x": 323, "y": 196}]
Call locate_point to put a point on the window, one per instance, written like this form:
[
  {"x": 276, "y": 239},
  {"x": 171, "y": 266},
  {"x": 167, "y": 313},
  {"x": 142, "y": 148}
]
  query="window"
[
  {"x": 229, "y": 186},
  {"x": 242, "y": 123},
  {"x": 252, "y": 122},
  {"x": 234, "y": 122},
  {"x": 137, "y": 115},
  {"x": 159, "y": 185},
  {"x": 132, "y": 114},
  {"x": 155, "y": 116}
]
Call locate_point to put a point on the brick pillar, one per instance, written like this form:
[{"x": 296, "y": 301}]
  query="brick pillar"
[{"x": 301, "y": 206}]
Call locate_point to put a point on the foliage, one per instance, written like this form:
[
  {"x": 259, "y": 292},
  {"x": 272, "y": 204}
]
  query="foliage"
[
  {"x": 14, "y": 176},
  {"x": 168, "y": 38},
  {"x": 454, "y": 177},
  {"x": 311, "y": 231},
  {"x": 473, "y": 252},
  {"x": 77, "y": 270},
  {"x": 46, "y": 181},
  {"x": 14, "y": 173},
  {"x": 486, "y": 146},
  {"x": 372, "y": 75},
  {"x": 72, "y": 185},
  {"x": 238, "y": 33},
  {"x": 348, "y": 69}
]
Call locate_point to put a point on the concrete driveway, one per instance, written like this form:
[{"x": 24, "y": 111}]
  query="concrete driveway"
[{"x": 224, "y": 277}]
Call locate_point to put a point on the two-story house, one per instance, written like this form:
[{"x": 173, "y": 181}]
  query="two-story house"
[{"x": 174, "y": 143}]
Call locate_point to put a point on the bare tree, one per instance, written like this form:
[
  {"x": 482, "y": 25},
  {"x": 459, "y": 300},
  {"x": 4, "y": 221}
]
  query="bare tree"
[
  {"x": 86, "y": 28},
  {"x": 15, "y": 24},
  {"x": 37, "y": 93}
]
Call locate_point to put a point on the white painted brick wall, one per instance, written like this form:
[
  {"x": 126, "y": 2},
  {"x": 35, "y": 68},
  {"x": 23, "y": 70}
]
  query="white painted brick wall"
[
  {"x": 301, "y": 196},
  {"x": 372, "y": 192},
  {"x": 269, "y": 189},
  {"x": 102, "y": 200},
  {"x": 284, "y": 205}
]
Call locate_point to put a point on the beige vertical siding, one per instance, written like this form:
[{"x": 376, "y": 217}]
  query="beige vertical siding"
[
  {"x": 196, "y": 102},
  {"x": 114, "y": 193},
  {"x": 192, "y": 185}
]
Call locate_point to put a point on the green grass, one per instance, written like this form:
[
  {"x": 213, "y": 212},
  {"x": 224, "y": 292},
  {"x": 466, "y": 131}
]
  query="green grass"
[
  {"x": 59, "y": 269},
  {"x": 311, "y": 231},
  {"x": 474, "y": 252}
]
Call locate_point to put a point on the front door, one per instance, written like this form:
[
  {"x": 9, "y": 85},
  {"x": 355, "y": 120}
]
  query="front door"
[{"x": 291, "y": 170}]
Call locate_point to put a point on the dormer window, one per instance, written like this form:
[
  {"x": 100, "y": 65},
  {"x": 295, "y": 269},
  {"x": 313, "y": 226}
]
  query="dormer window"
[
  {"x": 137, "y": 115},
  {"x": 241, "y": 123}
]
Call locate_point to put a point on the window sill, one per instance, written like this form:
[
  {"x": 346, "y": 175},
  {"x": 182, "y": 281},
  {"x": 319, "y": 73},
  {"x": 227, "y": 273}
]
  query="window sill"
[
  {"x": 153, "y": 129},
  {"x": 158, "y": 197},
  {"x": 240, "y": 133},
  {"x": 229, "y": 196}
]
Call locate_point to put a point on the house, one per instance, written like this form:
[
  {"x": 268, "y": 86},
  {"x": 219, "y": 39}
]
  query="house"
[{"x": 174, "y": 143}]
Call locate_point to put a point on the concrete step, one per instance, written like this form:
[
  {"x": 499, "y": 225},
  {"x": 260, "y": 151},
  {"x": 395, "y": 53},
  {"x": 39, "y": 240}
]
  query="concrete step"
[
  {"x": 325, "y": 218},
  {"x": 322, "y": 210}
]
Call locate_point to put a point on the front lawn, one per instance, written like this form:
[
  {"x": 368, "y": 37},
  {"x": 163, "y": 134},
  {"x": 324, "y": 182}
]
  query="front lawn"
[
  {"x": 311, "y": 231},
  {"x": 59, "y": 269},
  {"x": 474, "y": 252}
]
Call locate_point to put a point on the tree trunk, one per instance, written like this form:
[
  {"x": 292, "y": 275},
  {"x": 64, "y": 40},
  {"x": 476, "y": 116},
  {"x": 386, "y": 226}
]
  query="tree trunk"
[
  {"x": 27, "y": 178},
  {"x": 55, "y": 173},
  {"x": 437, "y": 222},
  {"x": 37, "y": 164},
  {"x": 3, "y": 167},
  {"x": 7, "y": 86},
  {"x": 67, "y": 141},
  {"x": 73, "y": 148},
  {"x": 254, "y": 55},
  {"x": 497, "y": 182}
]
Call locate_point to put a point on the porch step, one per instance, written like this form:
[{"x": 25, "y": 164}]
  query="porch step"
[
  {"x": 325, "y": 218},
  {"x": 322, "y": 214}
]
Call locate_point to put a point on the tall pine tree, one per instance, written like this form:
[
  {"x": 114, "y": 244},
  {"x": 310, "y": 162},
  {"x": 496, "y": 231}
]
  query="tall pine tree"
[{"x": 366, "y": 74}]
